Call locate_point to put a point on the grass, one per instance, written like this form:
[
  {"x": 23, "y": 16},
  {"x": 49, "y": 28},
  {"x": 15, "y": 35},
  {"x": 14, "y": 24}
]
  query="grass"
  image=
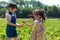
[{"x": 52, "y": 29}]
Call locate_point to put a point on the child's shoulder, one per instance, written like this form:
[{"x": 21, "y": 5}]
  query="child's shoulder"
[
  {"x": 7, "y": 14},
  {"x": 35, "y": 21}
]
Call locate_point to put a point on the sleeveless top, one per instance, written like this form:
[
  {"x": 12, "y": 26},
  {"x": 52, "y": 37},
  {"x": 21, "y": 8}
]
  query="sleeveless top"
[{"x": 36, "y": 30}]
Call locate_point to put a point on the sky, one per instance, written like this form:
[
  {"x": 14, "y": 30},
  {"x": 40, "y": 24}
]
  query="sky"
[
  {"x": 46, "y": 2},
  {"x": 50, "y": 2},
  {"x": 4, "y": 0}
]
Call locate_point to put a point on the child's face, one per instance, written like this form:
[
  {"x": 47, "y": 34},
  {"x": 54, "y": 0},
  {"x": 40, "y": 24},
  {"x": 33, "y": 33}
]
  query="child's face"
[
  {"x": 36, "y": 17},
  {"x": 12, "y": 10}
]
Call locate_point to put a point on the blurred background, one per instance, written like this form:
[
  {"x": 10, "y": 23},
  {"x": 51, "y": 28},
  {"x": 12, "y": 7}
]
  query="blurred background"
[{"x": 25, "y": 7}]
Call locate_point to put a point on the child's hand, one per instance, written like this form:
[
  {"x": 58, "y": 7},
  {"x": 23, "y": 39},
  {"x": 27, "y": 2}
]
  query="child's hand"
[
  {"x": 23, "y": 21},
  {"x": 20, "y": 25}
]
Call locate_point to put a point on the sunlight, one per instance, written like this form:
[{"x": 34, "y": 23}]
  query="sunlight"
[{"x": 46, "y": 2}]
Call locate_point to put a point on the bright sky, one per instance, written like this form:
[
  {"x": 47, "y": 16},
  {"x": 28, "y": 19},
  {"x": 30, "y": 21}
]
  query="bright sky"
[
  {"x": 4, "y": 0},
  {"x": 46, "y": 2},
  {"x": 50, "y": 2}
]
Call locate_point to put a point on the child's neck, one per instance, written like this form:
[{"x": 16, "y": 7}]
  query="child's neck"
[
  {"x": 38, "y": 19},
  {"x": 11, "y": 12}
]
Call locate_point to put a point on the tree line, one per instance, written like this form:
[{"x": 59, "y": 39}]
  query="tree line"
[{"x": 26, "y": 7}]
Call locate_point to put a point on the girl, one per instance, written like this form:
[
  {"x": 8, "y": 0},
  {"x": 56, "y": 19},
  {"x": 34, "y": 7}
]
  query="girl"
[
  {"x": 38, "y": 32},
  {"x": 11, "y": 22}
]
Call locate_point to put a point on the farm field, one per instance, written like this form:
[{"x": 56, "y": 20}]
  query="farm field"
[{"x": 52, "y": 29}]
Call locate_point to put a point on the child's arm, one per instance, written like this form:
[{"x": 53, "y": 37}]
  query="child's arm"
[
  {"x": 30, "y": 25},
  {"x": 8, "y": 21}
]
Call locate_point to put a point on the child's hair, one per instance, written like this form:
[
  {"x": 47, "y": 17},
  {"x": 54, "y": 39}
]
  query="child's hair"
[
  {"x": 31, "y": 16},
  {"x": 12, "y": 5},
  {"x": 41, "y": 13}
]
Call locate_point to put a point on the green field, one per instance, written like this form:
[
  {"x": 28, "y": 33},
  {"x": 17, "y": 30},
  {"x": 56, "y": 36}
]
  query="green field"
[{"x": 52, "y": 29}]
